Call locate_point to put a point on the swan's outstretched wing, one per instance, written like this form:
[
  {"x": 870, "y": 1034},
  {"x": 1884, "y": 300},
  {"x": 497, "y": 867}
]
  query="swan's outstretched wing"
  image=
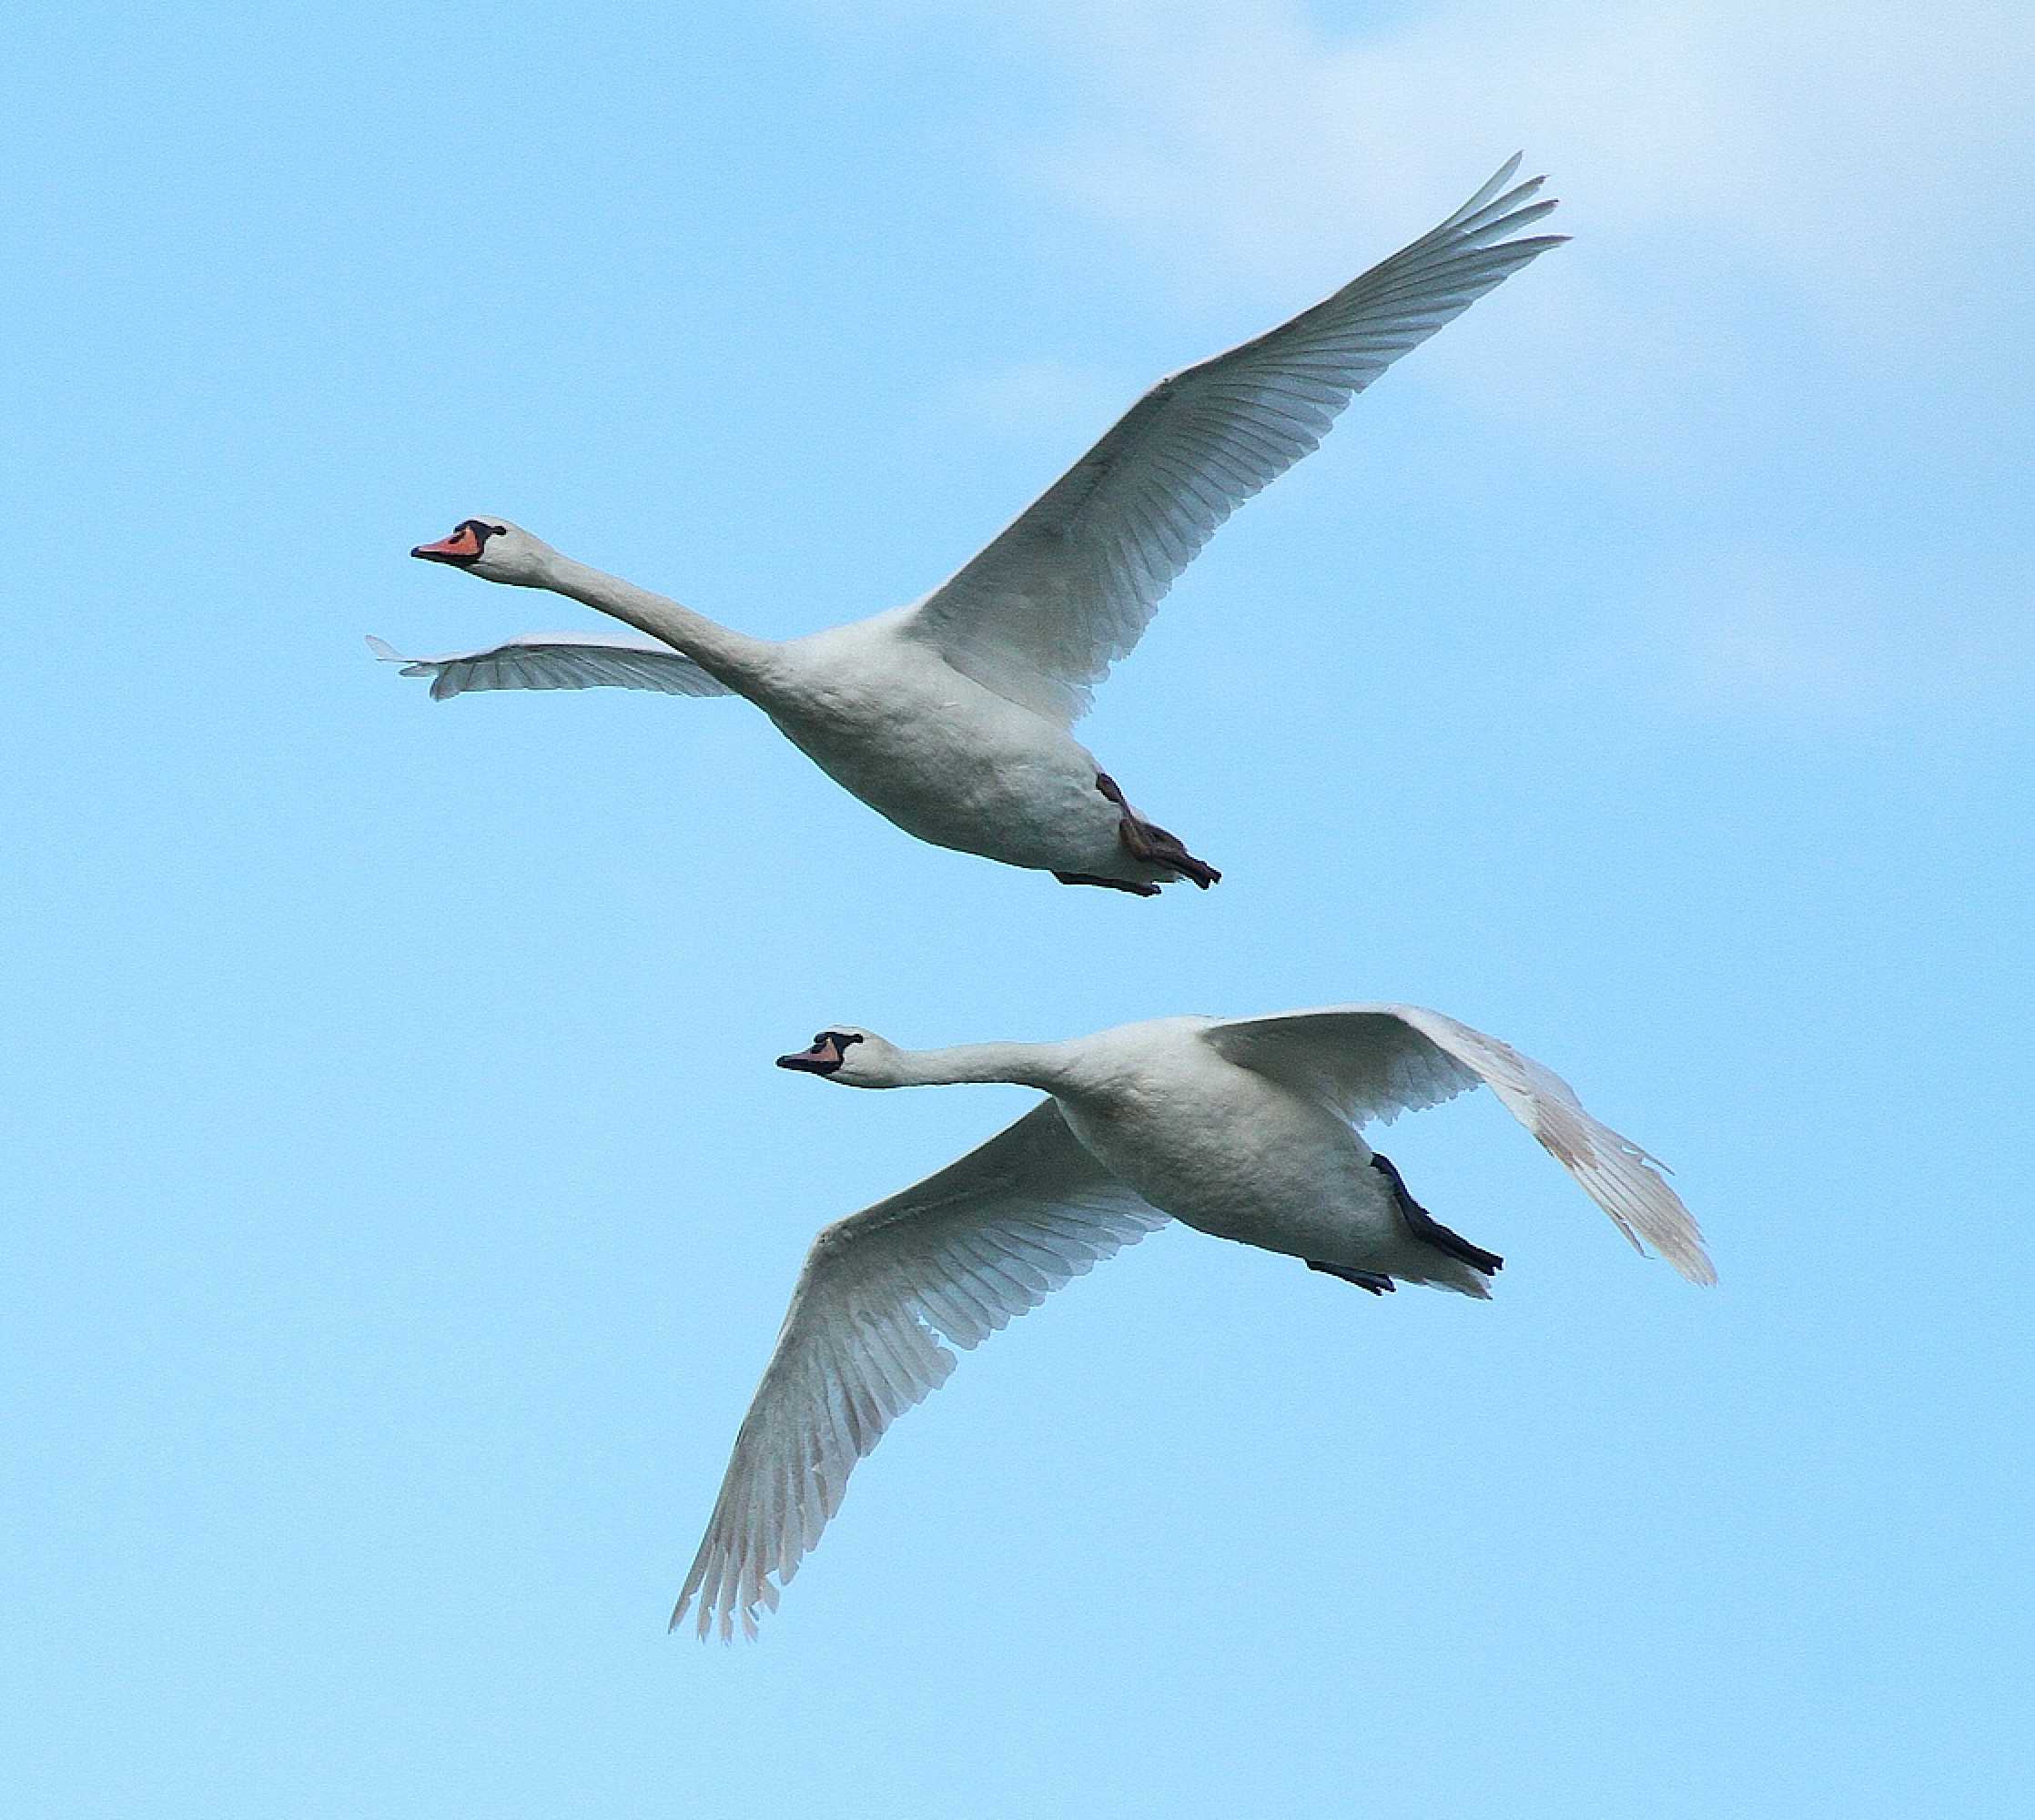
[
  {"x": 1376, "y": 1061},
  {"x": 1044, "y": 610},
  {"x": 955, "y": 1258},
  {"x": 558, "y": 660}
]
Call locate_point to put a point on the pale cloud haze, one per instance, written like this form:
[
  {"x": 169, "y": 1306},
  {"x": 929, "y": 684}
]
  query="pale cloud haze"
[{"x": 1796, "y": 228}]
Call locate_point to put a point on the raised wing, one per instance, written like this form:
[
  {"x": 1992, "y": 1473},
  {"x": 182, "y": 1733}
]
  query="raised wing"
[
  {"x": 1041, "y": 614},
  {"x": 957, "y": 1256},
  {"x": 1376, "y": 1061},
  {"x": 558, "y": 660}
]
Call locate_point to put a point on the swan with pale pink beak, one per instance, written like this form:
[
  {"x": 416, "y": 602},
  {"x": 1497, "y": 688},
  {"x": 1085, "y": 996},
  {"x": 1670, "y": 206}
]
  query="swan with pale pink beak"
[{"x": 953, "y": 716}]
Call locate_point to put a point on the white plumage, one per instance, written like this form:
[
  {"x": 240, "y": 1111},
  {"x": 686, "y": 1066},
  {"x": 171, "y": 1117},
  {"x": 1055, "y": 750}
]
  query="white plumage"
[
  {"x": 951, "y": 716},
  {"x": 961, "y": 1254},
  {"x": 558, "y": 660},
  {"x": 1241, "y": 1128},
  {"x": 1042, "y": 612}
]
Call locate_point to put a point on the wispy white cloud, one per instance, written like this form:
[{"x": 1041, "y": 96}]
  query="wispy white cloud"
[
  {"x": 1798, "y": 245},
  {"x": 1731, "y": 167},
  {"x": 1847, "y": 146},
  {"x": 1799, "y": 249}
]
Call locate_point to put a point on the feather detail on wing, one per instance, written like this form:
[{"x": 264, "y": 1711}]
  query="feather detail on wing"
[
  {"x": 957, "y": 1256},
  {"x": 1376, "y": 1061},
  {"x": 558, "y": 660},
  {"x": 1041, "y": 613}
]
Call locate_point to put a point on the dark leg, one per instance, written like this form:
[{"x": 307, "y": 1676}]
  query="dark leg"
[
  {"x": 1363, "y": 1279},
  {"x": 1423, "y": 1224},
  {"x": 1108, "y": 884},
  {"x": 1150, "y": 842}
]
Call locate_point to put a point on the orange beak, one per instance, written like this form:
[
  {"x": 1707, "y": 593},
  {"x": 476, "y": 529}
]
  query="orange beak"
[{"x": 462, "y": 546}]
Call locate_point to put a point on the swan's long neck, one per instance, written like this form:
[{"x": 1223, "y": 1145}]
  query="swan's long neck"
[
  {"x": 731, "y": 657},
  {"x": 1038, "y": 1065}
]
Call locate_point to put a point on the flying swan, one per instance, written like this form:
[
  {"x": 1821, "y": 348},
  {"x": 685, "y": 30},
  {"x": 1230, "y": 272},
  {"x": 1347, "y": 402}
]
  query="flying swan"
[
  {"x": 1241, "y": 1128},
  {"x": 951, "y": 716}
]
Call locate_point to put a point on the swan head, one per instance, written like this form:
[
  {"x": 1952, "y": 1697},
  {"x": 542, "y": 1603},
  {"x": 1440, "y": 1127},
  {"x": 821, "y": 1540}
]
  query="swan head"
[
  {"x": 853, "y": 1057},
  {"x": 493, "y": 548}
]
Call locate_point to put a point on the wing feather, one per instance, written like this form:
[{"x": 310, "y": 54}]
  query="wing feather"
[
  {"x": 1041, "y": 613},
  {"x": 1376, "y": 1061},
  {"x": 952, "y": 1259},
  {"x": 558, "y": 660}
]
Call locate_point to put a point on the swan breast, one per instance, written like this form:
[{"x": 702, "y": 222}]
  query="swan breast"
[
  {"x": 1221, "y": 1147},
  {"x": 934, "y": 752}
]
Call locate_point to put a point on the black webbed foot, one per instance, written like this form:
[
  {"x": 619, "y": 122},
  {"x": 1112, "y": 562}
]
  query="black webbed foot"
[
  {"x": 1155, "y": 846},
  {"x": 1363, "y": 1279},
  {"x": 1423, "y": 1224},
  {"x": 1108, "y": 884}
]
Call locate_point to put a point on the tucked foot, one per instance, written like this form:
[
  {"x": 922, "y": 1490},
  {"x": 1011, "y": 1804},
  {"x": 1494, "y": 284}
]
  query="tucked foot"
[
  {"x": 1363, "y": 1279},
  {"x": 1152, "y": 844},
  {"x": 1423, "y": 1224},
  {"x": 1108, "y": 884}
]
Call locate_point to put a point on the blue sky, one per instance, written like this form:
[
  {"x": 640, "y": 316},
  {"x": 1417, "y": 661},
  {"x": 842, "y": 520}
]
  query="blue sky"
[{"x": 402, "y": 1202}]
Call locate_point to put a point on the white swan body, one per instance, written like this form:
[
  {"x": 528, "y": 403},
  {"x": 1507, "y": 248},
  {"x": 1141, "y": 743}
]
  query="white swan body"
[
  {"x": 951, "y": 716},
  {"x": 1242, "y": 1128},
  {"x": 944, "y": 758},
  {"x": 1237, "y": 1155}
]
